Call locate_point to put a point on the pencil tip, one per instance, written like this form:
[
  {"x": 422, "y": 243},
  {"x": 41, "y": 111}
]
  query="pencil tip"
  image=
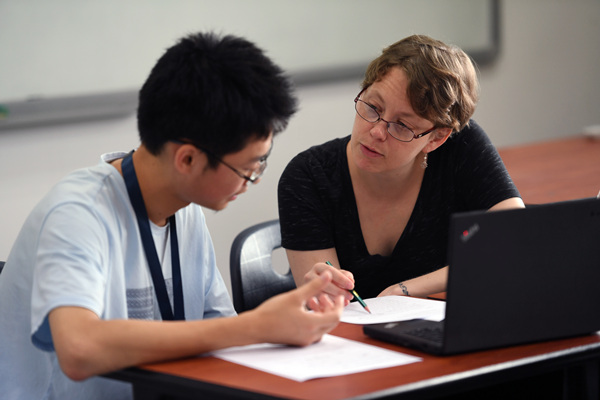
[{"x": 367, "y": 308}]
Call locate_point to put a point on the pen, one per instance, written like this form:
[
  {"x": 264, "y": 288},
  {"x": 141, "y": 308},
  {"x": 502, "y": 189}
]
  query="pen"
[{"x": 356, "y": 296}]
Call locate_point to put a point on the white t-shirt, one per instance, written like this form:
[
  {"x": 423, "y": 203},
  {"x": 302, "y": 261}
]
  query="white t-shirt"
[{"x": 81, "y": 246}]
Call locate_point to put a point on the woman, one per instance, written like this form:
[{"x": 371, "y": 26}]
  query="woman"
[{"x": 376, "y": 204}]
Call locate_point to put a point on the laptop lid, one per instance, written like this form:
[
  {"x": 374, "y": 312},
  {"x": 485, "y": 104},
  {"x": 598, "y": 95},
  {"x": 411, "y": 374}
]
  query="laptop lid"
[
  {"x": 523, "y": 275},
  {"x": 515, "y": 276}
]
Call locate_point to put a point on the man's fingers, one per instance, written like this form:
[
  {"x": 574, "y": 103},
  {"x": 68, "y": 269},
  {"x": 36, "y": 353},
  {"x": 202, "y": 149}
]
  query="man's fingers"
[
  {"x": 313, "y": 304},
  {"x": 315, "y": 286}
]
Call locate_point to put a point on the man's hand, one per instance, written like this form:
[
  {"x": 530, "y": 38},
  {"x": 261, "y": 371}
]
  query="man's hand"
[{"x": 285, "y": 318}]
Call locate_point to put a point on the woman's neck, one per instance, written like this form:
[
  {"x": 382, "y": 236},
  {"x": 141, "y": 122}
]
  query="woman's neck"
[{"x": 388, "y": 184}]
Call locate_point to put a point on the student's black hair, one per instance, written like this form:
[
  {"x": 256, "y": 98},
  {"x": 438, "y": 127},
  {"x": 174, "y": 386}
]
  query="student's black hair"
[{"x": 215, "y": 91}]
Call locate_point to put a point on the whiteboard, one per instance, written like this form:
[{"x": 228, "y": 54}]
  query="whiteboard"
[{"x": 60, "y": 50}]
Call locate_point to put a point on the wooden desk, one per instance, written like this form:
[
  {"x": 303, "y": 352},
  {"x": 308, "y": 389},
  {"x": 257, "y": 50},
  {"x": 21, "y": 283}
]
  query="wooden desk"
[
  {"x": 434, "y": 377},
  {"x": 557, "y": 170},
  {"x": 543, "y": 172}
]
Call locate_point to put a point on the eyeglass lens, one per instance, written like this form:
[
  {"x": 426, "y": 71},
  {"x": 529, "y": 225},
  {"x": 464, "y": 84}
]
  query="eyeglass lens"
[
  {"x": 257, "y": 173},
  {"x": 370, "y": 114}
]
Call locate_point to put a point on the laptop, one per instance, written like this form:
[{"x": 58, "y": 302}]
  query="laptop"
[{"x": 515, "y": 277}]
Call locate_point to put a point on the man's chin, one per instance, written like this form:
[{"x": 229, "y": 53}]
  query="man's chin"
[{"x": 220, "y": 206}]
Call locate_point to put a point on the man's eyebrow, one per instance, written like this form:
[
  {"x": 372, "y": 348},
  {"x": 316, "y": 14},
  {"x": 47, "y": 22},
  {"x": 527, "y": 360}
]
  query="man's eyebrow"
[{"x": 261, "y": 157}]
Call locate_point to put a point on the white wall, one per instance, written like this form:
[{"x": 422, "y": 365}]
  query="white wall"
[
  {"x": 544, "y": 85},
  {"x": 116, "y": 42}
]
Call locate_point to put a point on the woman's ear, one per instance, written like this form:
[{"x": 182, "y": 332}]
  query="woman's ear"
[{"x": 437, "y": 138}]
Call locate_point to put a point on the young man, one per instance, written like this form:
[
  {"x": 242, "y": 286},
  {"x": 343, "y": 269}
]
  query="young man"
[{"x": 115, "y": 266}]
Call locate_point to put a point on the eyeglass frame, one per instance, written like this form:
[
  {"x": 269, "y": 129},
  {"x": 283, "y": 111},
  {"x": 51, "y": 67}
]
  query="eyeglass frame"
[
  {"x": 415, "y": 136},
  {"x": 252, "y": 178}
]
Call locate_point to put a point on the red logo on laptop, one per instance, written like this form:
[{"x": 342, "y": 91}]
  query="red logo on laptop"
[{"x": 468, "y": 233}]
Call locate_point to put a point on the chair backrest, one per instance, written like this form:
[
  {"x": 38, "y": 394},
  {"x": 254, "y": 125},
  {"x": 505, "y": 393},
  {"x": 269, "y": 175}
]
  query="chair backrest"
[{"x": 253, "y": 279}]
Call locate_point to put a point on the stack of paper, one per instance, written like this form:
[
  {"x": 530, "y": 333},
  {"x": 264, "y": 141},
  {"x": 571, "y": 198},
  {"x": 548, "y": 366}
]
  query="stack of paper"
[
  {"x": 394, "y": 308},
  {"x": 332, "y": 356}
]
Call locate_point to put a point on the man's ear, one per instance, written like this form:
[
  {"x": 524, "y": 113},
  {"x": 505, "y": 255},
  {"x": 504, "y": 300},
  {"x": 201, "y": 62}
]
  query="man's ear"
[
  {"x": 437, "y": 138},
  {"x": 186, "y": 157}
]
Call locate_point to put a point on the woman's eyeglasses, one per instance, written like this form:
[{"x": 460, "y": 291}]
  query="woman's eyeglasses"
[{"x": 397, "y": 130}]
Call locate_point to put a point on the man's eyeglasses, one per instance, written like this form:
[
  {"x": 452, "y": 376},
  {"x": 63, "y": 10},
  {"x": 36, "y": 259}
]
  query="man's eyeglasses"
[
  {"x": 252, "y": 178},
  {"x": 397, "y": 130}
]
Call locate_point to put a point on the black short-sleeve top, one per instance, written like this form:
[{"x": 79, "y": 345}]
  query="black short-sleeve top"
[{"x": 317, "y": 208}]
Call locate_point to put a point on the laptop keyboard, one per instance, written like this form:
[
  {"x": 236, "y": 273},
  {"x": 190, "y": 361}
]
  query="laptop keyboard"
[{"x": 432, "y": 334}]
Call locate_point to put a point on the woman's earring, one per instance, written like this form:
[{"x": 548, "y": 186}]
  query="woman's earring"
[{"x": 424, "y": 163}]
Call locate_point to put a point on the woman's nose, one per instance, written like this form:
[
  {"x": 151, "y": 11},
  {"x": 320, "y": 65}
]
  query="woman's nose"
[{"x": 379, "y": 130}]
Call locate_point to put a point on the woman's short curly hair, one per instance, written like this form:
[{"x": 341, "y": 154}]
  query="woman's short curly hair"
[{"x": 443, "y": 83}]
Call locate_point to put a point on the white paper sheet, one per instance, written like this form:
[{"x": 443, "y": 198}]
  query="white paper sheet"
[
  {"x": 332, "y": 356},
  {"x": 394, "y": 308}
]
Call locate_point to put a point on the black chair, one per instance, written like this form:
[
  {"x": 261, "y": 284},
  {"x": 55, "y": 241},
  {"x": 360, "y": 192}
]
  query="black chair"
[{"x": 253, "y": 279}]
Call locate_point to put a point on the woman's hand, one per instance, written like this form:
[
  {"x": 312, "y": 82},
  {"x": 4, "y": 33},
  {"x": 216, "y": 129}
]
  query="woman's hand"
[
  {"x": 394, "y": 290},
  {"x": 341, "y": 282},
  {"x": 422, "y": 286}
]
